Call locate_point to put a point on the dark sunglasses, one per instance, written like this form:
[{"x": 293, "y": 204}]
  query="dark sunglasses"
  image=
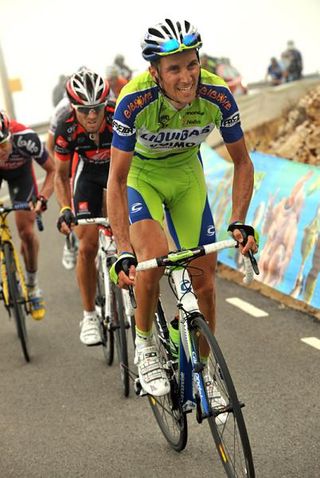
[{"x": 86, "y": 109}]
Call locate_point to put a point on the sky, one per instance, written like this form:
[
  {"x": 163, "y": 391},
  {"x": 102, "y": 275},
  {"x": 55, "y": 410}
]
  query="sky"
[{"x": 42, "y": 39}]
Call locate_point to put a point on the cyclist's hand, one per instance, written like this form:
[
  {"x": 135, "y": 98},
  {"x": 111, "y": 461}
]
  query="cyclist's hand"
[
  {"x": 38, "y": 204},
  {"x": 245, "y": 235},
  {"x": 123, "y": 270},
  {"x": 66, "y": 220}
]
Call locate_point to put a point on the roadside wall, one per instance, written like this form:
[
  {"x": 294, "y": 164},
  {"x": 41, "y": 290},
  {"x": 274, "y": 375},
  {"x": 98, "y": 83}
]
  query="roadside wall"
[
  {"x": 267, "y": 104},
  {"x": 285, "y": 209}
]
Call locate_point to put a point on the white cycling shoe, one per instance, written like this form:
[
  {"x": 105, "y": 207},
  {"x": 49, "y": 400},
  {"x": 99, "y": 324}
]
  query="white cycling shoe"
[
  {"x": 216, "y": 400},
  {"x": 90, "y": 331},
  {"x": 70, "y": 252},
  {"x": 153, "y": 377}
]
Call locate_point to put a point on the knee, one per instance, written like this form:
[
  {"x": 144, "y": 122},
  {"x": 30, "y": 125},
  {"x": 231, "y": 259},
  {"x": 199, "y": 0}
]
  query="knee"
[
  {"x": 88, "y": 249},
  {"x": 205, "y": 290},
  {"x": 26, "y": 234}
]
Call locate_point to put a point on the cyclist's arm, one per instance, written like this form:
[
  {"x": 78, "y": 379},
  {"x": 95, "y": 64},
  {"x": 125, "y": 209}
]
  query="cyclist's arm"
[
  {"x": 62, "y": 182},
  {"x": 117, "y": 207},
  {"x": 47, "y": 186},
  {"x": 242, "y": 188},
  {"x": 50, "y": 144},
  {"x": 117, "y": 202}
]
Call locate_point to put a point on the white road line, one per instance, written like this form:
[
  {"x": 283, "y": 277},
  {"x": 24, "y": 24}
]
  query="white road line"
[
  {"x": 247, "y": 307},
  {"x": 313, "y": 341}
]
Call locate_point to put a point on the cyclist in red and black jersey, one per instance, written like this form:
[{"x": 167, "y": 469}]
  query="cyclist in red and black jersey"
[
  {"x": 83, "y": 141},
  {"x": 19, "y": 146}
]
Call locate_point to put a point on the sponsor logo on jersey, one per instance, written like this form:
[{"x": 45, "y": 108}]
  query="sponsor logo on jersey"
[
  {"x": 30, "y": 145},
  {"x": 232, "y": 120},
  {"x": 218, "y": 96},
  {"x": 138, "y": 103},
  {"x": 175, "y": 138},
  {"x": 83, "y": 206},
  {"x": 60, "y": 141},
  {"x": 122, "y": 129},
  {"x": 136, "y": 207}
]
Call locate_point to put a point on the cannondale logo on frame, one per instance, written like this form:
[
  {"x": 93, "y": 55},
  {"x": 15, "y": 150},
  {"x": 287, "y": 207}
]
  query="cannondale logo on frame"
[{"x": 136, "y": 207}]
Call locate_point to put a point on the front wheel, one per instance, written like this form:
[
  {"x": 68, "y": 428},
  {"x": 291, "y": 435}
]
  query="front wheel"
[
  {"x": 105, "y": 326},
  {"x": 220, "y": 404},
  {"x": 120, "y": 331},
  {"x": 167, "y": 409},
  {"x": 17, "y": 302}
]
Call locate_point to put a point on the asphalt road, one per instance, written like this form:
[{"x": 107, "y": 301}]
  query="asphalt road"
[{"x": 63, "y": 415}]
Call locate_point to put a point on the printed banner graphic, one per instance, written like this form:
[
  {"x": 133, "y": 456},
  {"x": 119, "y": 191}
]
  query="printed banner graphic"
[{"x": 285, "y": 209}]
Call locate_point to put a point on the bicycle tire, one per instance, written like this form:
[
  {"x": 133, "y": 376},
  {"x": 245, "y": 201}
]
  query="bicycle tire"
[
  {"x": 120, "y": 332},
  {"x": 17, "y": 302},
  {"x": 167, "y": 410},
  {"x": 105, "y": 326},
  {"x": 231, "y": 438}
]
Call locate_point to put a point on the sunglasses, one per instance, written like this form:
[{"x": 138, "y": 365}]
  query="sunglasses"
[
  {"x": 86, "y": 109},
  {"x": 173, "y": 46}
]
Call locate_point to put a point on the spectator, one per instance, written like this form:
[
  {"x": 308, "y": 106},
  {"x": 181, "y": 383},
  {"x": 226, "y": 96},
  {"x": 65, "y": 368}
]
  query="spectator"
[
  {"x": 208, "y": 63},
  {"x": 124, "y": 70},
  {"x": 274, "y": 72},
  {"x": 294, "y": 64},
  {"x": 115, "y": 80}
]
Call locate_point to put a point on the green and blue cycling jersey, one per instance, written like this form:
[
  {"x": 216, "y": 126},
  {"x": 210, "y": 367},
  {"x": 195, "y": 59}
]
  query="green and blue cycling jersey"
[{"x": 166, "y": 173}]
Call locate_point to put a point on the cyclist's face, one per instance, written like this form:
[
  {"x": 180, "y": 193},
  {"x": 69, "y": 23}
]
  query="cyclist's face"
[
  {"x": 178, "y": 76},
  {"x": 5, "y": 150},
  {"x": 91, "y": 120}
]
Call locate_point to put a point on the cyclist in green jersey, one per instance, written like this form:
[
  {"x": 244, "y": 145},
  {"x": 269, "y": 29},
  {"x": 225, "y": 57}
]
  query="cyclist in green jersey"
[{"x": 162, "y": 116}]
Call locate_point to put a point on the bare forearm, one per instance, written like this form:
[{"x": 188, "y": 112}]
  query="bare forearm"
[
  {"x": 242, "y": 189},
  {"x": 62, "y": 190},
  {"x": 47, "y": 187},
  {"x": 117, "y": 207}
]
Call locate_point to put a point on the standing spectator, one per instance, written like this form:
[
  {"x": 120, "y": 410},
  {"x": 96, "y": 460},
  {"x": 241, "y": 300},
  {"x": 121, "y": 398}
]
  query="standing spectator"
[
  {"x": 124, "y": 70},
  {"x": 294, "y": 60},
  {"x": 274, "y": 72}
]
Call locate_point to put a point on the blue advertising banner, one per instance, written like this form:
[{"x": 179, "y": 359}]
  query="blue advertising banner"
[{"x": 285, "y": 209}]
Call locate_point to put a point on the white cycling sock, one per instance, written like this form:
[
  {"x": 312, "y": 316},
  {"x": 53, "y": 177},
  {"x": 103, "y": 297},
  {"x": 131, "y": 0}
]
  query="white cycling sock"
[
  {"x": 32, "y": 279},
  {"x": 89, "y": 314}
]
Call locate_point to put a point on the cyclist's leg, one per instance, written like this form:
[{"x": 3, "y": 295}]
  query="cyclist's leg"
[
  {"x": 22, "y": 186},
  {"x": 87, "y": 189},
  {"x": 148, "y": 240},
  {"x": 191, "y": 224}
]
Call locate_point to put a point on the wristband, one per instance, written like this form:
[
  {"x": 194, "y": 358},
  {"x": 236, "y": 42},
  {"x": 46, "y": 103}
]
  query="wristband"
[
  {"x": 65, "y": 208},
  {"x": 236, "y": 223}
]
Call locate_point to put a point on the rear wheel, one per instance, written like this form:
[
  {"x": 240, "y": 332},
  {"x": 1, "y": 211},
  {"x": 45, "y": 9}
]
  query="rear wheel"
[
  {"x": 17, "y": 302},
  {"x": 120, "y": 332},
  {"x": 166, "y": 409},
  {"x": 229, "y": 432}
]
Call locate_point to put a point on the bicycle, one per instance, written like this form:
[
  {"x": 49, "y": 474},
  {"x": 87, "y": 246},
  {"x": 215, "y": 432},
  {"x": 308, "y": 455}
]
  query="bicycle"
[
  {"x": 113, "y": 305},
  {"x": 13, "y": 290},
  {"x": 199, "y": 355}
]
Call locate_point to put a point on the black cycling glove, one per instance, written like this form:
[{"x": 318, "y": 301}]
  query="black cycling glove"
[{"x": 67, "y": 216}]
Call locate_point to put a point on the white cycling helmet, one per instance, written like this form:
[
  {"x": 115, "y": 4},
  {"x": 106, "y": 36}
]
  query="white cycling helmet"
[
  {"x": 169, "y": 37},
  {"x": 87, "y": 88}
]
